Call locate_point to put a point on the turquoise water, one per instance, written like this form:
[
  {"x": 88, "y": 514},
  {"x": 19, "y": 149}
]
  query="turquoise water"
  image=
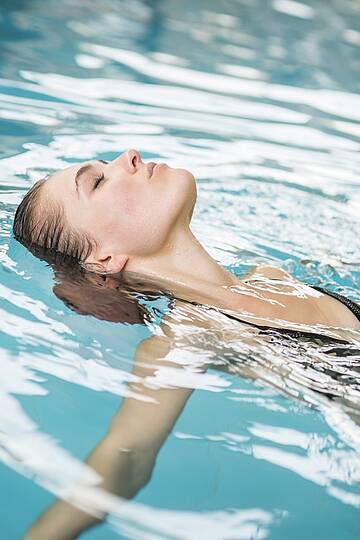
[{"x": 260, "y": 100}]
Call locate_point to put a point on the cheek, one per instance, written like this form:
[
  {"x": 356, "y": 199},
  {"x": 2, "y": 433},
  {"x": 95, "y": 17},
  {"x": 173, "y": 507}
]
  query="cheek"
[
  {"x": 127, "y": 207},
  {"x": 126, "y": 219},
  {"x": 120, "y": 200},
  {"x": 130, "y": 206}
]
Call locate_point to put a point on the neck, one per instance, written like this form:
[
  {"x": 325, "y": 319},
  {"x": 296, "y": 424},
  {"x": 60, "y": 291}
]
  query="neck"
[{"x": 185, "y": 268}]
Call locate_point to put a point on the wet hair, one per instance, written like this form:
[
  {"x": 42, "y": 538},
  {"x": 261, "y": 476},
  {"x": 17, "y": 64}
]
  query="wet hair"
[
  {"x": 46, "y": 234},
  {"x": 45, "y": 228}
]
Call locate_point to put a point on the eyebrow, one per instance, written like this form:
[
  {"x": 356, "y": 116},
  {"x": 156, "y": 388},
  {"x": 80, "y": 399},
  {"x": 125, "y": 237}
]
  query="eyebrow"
[{"x": 83, "y": 170}]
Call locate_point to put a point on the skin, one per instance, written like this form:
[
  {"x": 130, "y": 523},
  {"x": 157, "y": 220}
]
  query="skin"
[
  {"x": 130, "y": 215},
  {"x": 141, "y": 224}
]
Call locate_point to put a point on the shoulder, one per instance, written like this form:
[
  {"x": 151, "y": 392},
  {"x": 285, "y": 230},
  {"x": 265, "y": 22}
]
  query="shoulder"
[
  {"x": 268, "y": 271},
  {"x": 187, "y": 319}
]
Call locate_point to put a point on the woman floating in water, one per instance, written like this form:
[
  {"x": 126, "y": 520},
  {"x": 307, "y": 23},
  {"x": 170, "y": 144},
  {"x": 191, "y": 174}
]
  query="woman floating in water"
[
  {"x": 135, "y": 216},
  {"x": 113, "y": 228}
]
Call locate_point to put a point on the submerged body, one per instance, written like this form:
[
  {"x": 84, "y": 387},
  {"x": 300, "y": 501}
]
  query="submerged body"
[{"x": 270, "y": 297}]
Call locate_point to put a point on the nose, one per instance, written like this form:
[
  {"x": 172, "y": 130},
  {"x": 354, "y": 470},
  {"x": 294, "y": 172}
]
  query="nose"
[
  {"x": 129, "y": 161},
  {"x": 132, "y": 160}
]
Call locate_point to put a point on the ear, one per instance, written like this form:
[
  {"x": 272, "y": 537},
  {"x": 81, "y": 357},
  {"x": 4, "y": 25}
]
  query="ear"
[{"x": 111, "y": 264}]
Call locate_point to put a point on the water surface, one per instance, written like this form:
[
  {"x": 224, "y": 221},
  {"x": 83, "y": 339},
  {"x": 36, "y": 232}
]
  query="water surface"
[{"x": 260, "y": 99}]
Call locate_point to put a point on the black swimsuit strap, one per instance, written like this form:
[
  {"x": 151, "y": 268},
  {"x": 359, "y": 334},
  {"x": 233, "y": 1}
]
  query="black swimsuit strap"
[{"x": 353, "y": 306}]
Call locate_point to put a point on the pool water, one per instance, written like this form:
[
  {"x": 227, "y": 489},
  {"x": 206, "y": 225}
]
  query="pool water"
[{"x": 260, "y": 100}]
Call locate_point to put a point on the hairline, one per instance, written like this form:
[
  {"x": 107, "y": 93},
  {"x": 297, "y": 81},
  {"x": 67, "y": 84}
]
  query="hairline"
[{"x": 62, "y": 228}]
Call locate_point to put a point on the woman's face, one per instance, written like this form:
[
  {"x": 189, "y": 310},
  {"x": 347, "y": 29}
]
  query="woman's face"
[{"x": 126, "y": 205}]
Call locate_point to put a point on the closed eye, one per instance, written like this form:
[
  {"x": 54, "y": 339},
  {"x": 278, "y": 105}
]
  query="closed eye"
[{"x": 98, "y": 180}]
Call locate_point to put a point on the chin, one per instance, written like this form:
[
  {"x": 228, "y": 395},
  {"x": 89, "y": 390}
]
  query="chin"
[
  {"x": 186, "y": 177},
  {"x": 188, "y": 181},
  {"x": 183, "y": 172},
  {"x": 183, "y": 186}
]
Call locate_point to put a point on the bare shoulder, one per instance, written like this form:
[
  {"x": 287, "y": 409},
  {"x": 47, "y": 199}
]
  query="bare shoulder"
[
  {"x": 185, "y": 318},
  {"x": 268, "y": 271}
]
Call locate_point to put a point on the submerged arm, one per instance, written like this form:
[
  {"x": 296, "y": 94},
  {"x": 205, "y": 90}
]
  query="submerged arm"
[{"x": 126, "y": 456}]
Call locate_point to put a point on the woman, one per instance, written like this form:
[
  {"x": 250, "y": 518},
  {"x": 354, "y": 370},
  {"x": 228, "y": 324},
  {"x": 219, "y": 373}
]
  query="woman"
[
  {"x": 135, "y": 216},
  {"x": 132, "y": 216}
]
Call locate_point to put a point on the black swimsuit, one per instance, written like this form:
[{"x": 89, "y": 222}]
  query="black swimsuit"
[{"x": 353, "y": 306}]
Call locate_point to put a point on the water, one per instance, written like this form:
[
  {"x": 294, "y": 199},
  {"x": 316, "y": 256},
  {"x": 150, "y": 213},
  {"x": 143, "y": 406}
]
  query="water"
[{"x": 260, "y": 100}]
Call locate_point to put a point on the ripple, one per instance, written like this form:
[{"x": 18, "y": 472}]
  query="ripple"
[{"x": 267, "y": 118}]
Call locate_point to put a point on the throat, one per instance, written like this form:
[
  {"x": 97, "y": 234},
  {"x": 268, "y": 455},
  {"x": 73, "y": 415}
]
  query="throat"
[{"x": 184, "y": 263}]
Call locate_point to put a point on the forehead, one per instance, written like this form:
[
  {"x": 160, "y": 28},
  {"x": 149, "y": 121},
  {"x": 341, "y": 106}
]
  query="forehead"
[
  {"x": 68, "y": 173},
  {"x": 63, "y": 181}
]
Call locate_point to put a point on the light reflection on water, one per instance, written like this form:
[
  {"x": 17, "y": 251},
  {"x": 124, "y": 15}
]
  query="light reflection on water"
[{"x": 266, "y": 116}]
